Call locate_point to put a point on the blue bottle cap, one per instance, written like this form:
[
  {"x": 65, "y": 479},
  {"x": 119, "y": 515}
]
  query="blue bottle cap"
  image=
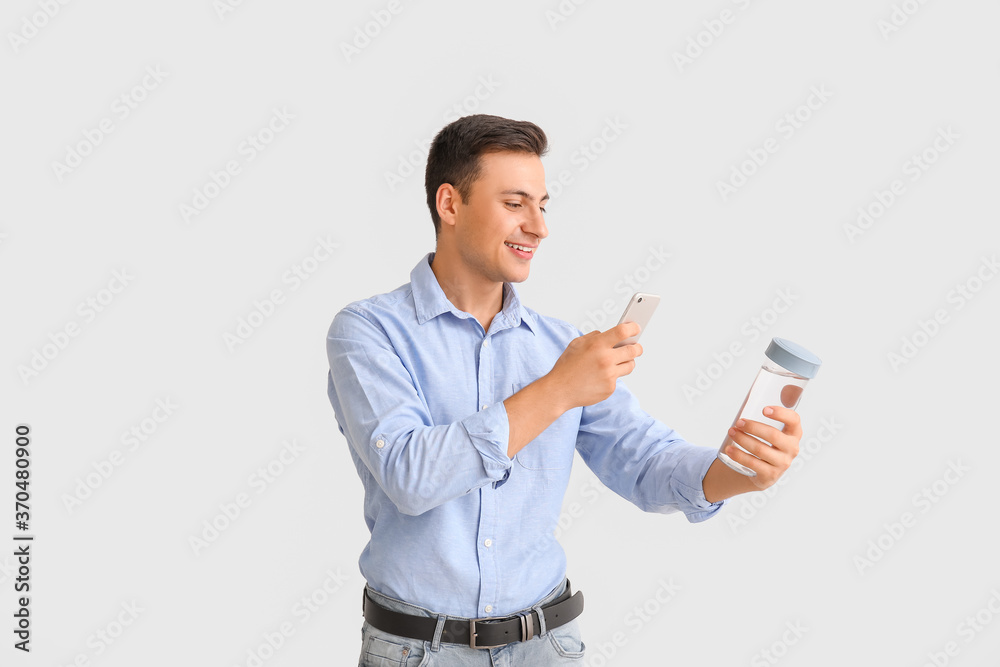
[{"x": 794, "y": 357}]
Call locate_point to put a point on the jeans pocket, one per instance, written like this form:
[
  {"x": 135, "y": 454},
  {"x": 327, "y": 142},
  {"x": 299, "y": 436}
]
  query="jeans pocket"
[
  {"x": 381, "y": 649},
  {"x": 567, "y": 642}
]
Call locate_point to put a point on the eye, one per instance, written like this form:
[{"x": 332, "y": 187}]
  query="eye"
[
  {"x": 512, "y": 204},
  {"x": 543, "y": 209}
]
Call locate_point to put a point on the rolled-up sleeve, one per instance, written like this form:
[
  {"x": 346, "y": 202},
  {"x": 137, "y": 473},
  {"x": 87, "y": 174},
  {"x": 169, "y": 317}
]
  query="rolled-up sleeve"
[
  {"x": 418, "y": 464},
  {"x": 643, "y": 460}
]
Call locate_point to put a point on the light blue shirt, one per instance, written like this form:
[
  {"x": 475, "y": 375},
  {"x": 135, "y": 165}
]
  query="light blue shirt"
[{"x": 456, "y": 526}]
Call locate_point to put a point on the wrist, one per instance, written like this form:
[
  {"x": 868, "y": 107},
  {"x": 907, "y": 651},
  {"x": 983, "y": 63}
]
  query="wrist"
[
  {"x": 721, "y": 482},
  {"x": 554, "y": 393}
]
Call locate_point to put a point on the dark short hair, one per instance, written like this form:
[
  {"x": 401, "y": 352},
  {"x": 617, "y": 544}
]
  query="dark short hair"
[{"x": 455, "y": 153}]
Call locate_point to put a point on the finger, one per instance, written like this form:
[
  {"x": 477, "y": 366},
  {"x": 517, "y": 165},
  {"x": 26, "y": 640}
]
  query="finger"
[
  {"x": 774, "y": 437},
  {"x": 628, "y": 353},
  {"x": 624, "y": 330},
  {"x": 752, "y": 462},
  {"x": 754, "y": 446},
  {"x": 787, "y": 416}
]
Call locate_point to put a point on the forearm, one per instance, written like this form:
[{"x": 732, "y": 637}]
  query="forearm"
[
  {"x": 531, "y": 411},
  {"x": 422, "y": 468},
  {"x": 721, "y": 482}
]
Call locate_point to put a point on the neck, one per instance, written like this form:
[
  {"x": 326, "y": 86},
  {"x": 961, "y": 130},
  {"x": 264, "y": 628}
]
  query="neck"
[{"x": 468, "y": 290}]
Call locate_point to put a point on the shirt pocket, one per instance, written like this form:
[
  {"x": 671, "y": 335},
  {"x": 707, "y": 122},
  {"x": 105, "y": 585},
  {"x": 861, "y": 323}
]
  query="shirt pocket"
[{"x": 554, "y": 447}]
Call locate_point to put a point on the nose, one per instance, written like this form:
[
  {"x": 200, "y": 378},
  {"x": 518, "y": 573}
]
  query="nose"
[{"x": 536, "y": 225}]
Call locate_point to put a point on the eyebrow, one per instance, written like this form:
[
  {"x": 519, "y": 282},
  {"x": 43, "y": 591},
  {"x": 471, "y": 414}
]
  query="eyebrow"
[{"x": 524, "y": 194}]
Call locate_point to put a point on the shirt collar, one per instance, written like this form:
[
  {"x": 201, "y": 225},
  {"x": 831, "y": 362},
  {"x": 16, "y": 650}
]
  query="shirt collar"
[{"x": 430, "y": 300}]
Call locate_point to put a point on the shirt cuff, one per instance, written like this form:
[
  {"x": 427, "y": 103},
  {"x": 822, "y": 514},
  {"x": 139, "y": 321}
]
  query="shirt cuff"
[
  {"x": 691, "y": 489},
  {"x": 489, "y": 431}
]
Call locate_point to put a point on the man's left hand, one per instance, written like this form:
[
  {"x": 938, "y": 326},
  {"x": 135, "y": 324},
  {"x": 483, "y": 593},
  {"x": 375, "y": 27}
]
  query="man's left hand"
[{"x": 770, "y": 462}]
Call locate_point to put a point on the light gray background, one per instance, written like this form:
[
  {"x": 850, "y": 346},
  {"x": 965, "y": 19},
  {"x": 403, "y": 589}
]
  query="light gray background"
[{"x": 793, "y": 561}]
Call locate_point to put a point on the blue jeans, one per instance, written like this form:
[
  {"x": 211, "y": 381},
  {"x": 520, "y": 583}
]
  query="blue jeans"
[{"x": 561, "y": 646}]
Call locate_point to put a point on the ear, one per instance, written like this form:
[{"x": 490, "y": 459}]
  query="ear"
[{"x": 448, "y": 201}]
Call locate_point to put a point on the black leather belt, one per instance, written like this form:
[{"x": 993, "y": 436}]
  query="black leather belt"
[{"x": 476, "y": 632}]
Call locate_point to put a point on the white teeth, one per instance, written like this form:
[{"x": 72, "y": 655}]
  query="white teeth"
[{"x": 519, "y": 247}]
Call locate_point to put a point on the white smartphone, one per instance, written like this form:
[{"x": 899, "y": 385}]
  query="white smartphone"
[{"x": 639, "y": 309}]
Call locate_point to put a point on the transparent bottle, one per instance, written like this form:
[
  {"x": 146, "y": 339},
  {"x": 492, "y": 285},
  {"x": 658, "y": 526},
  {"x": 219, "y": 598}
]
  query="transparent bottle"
[{"x": 786, "y": 370}]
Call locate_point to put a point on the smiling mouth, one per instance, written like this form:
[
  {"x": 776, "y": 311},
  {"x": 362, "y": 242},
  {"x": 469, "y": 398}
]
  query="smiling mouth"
[{"x": 519, "y": 247}]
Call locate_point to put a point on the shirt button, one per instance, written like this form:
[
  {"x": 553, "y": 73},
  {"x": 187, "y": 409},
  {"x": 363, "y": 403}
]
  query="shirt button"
[
  {"x": 380, "y": 443},
  {"x": 486, "y": 343},
  {"x": 488, "y": 608},
  {"x": 488, "y": 543},
  {"x": 485, "y": 406}
]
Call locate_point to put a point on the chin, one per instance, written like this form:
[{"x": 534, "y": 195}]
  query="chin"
[
  {"x": 518, "y": 276},
  {"x": 515, "y": 271}
]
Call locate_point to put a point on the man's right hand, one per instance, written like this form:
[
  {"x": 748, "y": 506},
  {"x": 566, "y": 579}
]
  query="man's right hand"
[
  {"x": 589, "y": 367},
  {"x": 585, "y": 373}
]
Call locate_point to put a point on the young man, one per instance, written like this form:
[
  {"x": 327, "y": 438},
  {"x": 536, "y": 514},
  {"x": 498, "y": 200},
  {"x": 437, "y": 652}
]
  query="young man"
[{"x": 463, "y": 408}]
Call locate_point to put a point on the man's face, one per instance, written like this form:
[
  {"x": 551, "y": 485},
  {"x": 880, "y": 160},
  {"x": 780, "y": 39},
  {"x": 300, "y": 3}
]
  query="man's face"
[{"x": 505, "y": 206}]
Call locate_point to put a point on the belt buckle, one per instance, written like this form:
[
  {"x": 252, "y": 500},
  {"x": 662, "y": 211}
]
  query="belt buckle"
[
  {"x": 527, "y": 629},
  {"x": 472, "y": 631}
]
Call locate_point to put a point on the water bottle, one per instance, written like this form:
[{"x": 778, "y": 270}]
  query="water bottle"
[{"x": 782, "y": 377}]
